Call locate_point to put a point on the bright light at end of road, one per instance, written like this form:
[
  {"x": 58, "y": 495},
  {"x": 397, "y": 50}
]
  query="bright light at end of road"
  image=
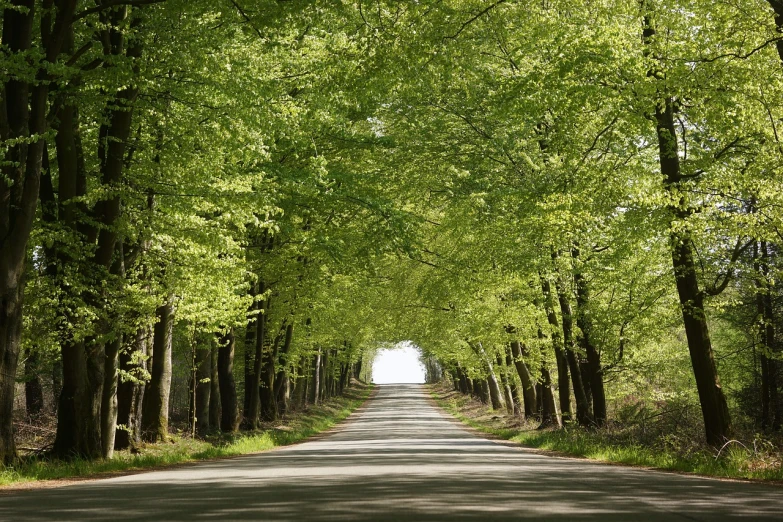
[{"x": 398, "y": 365}]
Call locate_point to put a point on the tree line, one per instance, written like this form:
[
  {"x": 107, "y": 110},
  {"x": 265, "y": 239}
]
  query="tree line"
[{"x": 564, "y": 205}]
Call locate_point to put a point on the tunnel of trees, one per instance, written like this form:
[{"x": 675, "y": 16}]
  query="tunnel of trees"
[{"x": 570, "y": 206}]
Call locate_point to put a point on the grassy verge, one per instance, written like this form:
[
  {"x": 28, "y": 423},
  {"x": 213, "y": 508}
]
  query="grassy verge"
[
  {"x": 185, "y": 449},
  {"x": 736, "y": 460}
]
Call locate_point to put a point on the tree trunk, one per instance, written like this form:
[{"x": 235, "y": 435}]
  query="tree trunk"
[
  {"x": 229, "y": 418},
  {"x": 583, "y": 414},
  {"x": 772, "y": 361},
  {"x": 267, "y": 390},
  {"x": 250, "y": 417},
  {"x": 549, "y": 414},
  {"x": 324, "y": 378},
  {"x": 254, "y": 405},
  {"x": 10, "y": 337},
  {"x": 82, "y": 426},
  {"x": 345, "y": 375},
  {"x": 594, "y": 374},
  {"x": 481, "y": 389},
  {"x": 495, "y": 399},
  {"x": 300, "y": 384},
  {"x": 528, "y": 383},
  {"x": 109, "y": 398},
  {"x": 155, "y": 415},
  {"x": 130, "y": 392},
  {"x": 33, "y": 389},
  {"x": 463, "y": 381},
  {"x": 505, "y": 384},
  {"x": 770, "y": 411},
  {"x": 203, "y": 388},
  {"x": 23, "y": 111},
  {"x": 777, "y": 6},
  {"x": 563, "y": 387},
  {"x": 281, "y": 378},
  {"x": 79, "y": 412},
  {"x": 717, "y": 422},
  {"x": 315, "y": 394},
  {"x": 247, "y": 377},
  {"x": 214, "y": 388},
  {"x": 110, "y": 370},
  {"x": 517, "y": 392}
]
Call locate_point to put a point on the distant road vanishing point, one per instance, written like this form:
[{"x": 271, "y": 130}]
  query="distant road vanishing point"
[{"x": 400, "y": 458}]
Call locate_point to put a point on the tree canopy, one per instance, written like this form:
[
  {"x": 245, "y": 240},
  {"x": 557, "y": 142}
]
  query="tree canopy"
[{"x": 571, "y": 199}]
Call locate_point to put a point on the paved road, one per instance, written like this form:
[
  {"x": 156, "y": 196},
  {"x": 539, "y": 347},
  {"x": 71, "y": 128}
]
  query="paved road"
[{"x": 399, "y": 458}]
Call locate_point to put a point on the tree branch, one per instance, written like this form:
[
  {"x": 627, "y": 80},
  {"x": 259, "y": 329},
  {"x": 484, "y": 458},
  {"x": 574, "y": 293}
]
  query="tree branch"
[
  {"x": 473, "y": 19},
  {"x": 716, "y": 288},
  {"x": 247, "y": 18},
  {"x": 737, "y": 55},
  {"x": 113, "y": 3}
]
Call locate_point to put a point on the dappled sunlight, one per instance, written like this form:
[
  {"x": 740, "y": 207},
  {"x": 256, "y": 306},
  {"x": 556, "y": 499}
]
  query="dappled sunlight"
[{"x": 398, "y": 458}]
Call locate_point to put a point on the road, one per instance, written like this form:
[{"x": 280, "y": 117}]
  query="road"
[{"x": 399, "y": 458}]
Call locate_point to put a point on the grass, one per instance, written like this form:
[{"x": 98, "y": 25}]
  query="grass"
[
  {"x": 737, "y": 460},
  {"x": 186, "y": 449}
]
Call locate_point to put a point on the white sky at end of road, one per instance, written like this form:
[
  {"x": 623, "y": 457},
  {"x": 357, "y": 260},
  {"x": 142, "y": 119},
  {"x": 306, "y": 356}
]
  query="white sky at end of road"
[{"x": 398, "y": 365}]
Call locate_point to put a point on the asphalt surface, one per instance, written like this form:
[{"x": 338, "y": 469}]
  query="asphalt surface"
[{"x": 399, "y": 458}]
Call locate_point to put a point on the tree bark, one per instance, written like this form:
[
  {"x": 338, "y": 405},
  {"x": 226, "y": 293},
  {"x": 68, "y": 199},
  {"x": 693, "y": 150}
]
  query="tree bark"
[
  {"x": 155, "y": 412},
  {"x": 491, "y": 380},
  {"x": 528, "y": 383},
  {"x": 300, "y": 384},
  {"x": 772, "y": 361},
  {"x": 130, "y": 391},
  {"x": 33, "y": 389},
  {"x": 78, "y": 424},
  {"x": 316, "y": 380},
  {"x": 324, "y": 377},
  {"x": 594, "y": 374},
  {"x": 109, "y": 398},
  {"x": 110, "y": 370},
  {"x": 463, "y": 381},
  {"x": 583, "y": 414},
  {"x": 777, "y": 7},
  {"x": 10, "y": 336},
  {"x": 267, "y": 391},
  {"x": 549, "y": 414},
  {"x": 203, "y": 388},
  {"x": 214, "y": 388},
  {"x": 282, "y": 383},
  {"x": 563, "y": 387},
  {"x": 82, "y": 425},
  {"x": 508, "y": 396},
  {"x": 23, "y": 110},
  {"x": 770, "y": 411},
  {"x": 517, "y": 391},
  {"x": 250, "y": 418},
  {"x": 229, "y": 418},
  {"x": 253, "y": 410},
  {"x": 717, "y": 421}
]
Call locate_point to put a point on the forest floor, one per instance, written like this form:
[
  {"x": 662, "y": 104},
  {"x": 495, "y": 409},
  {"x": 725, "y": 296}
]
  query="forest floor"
[
  {"x": 750, "y": 457},
  {"x": 35, "y": 470}
]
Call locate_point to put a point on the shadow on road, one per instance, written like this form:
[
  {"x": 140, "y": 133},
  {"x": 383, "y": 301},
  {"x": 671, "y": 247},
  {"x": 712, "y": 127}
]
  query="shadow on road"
[{"x": 400, "y": 459}]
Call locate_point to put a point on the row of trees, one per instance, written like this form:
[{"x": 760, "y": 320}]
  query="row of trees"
[
  {"x": 568, "y": 198},
  {"x": 601, "y": 178},
  {"x": 165, "y": 187}
]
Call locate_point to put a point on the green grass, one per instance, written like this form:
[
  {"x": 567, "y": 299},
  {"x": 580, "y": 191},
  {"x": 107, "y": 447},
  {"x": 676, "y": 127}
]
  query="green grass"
[
  {"x": 736, "y": 460},
  {"x": 185, "y": 449}
]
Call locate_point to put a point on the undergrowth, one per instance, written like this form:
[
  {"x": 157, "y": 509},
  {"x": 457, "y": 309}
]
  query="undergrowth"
[
  {"x": 754, "y": 458},
  {"x": 182, "y": 449}
]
